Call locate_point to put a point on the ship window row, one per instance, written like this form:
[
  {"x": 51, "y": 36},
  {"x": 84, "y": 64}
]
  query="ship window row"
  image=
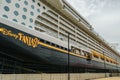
[
  {"x": 88, "y": 42},
  {"x": 103, "y": 49},
  {"x": 17, "y": 5},
  {"x": 47, "y": 22},
  {"x": 66, "y": 35},
  {"x": 56, "y": 22},
  {"x": 92, "y": 42},
  {"x": 86, "y": 36},
  {"x": 47, "y": 16},
  {"x": 68, "y": 23},
  {"x": 52, "y": 13},
  {"x": 94, "y": 55},
  {"x": 91, "y": 46},
  {"x": 53, "y": 44},
  {"x": 45, "y": 28},
  {"x": 75, "y": 50}
]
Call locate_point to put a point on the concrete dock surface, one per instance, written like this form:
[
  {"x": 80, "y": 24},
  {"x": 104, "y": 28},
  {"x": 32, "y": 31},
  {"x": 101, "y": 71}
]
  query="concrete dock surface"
[
  {"x": 109, "y": 78},
  {"x": 58, "y": 76}
]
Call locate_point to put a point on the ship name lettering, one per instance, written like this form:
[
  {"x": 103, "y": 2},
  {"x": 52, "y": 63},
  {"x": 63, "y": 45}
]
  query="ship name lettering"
[
  {"x": 33, "y": 42},
  {"x": 8, "y": 33}
]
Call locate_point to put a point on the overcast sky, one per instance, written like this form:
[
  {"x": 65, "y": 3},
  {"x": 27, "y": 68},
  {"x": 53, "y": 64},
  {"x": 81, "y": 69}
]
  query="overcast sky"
[{"x": 103, "y": 15}]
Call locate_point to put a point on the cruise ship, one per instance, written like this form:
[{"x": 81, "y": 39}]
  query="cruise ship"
[{"x": 50, "y": 30}]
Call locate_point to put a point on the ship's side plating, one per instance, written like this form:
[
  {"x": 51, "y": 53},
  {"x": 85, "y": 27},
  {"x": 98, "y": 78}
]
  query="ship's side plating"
[{"x": 46, "y": 24}]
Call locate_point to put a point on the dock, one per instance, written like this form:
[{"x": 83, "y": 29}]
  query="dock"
[
  {"x": 109, "y": 78},
  {"x": 58, "y": 76}
]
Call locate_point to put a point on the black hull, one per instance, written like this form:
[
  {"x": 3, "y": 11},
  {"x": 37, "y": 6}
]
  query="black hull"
[{"x": 41, "y": 53}]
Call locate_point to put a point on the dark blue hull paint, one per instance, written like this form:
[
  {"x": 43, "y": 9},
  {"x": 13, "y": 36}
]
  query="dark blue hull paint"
[{"x": 45, "y": 54}]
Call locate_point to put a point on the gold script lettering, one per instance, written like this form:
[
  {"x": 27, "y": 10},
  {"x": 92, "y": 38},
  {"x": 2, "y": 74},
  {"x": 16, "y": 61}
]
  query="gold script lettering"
[{"x": 34, "y": 42}]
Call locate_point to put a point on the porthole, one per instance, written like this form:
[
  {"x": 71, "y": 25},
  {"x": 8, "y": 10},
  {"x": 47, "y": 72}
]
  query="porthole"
[
  {"x": 24, "y": 9},
  {"x": 31, "y": 20},
  {"x": 16, "y": 13},
  {"x": 66, "y": 49},
  {"x": 57, "y": 46},
  {"x": 33, "y": 0},
  {"x": 38, "y": 10},
  {"x": 42, "y": 40},
  {"x": 38, "y": 4},
  {"x": 23, "y": 16},
  {"x": 47, "y": 42},
  {"x": 32, "y": 7},
  {"x": 5, "y": 16},
  {"x": 15, "y": 20},
  {"x": 44, "y": 7},
  {"x": 6, "y": 8},
  {"x": 53, "y": 44},
  {"x": 17, "y": 5},
  {"x": 30, "y": 26},
  {"x": 25, "y": 2},
  {"x": 62, "y": 47},
  {"x": 23, "y": 23},
  {"x": 8, "y": 1},
  {"x": 31, "y": 13}
]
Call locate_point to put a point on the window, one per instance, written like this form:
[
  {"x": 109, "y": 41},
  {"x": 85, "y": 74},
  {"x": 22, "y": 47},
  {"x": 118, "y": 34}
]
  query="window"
[
  {"x": 57, "y": 46},
  {"x": 31, "y": 13},
  {"x": 33, "y": 0},
  {"x": 23, "y": 23},
  {"x": 52, "y": 44},
  {"x": 30, "y": 26},
  {"x": 38, "y": 4},
  {"x": 17, "y": 5},
  {"x": 23, "y": 16},
  {"x": 6, "y": 8},
  {"x": 44, "y": 7},
  {"x": 25, "y": 2},
  {"x": 38, "y": 10},
  {"x": 15, "y": 20},
  {"x": 16, "y": 13},
  {"x": 31, "y": 20},
  {"x": 24, "y": 9},
  {"x": 5, "y": 16},
  {"x": 47, "y": 42},
  {"x": 66, "y": 49},
  {"x": 8, "y": 1},
  {"x": 32, "y": 7},
  {"x": 62, "y": 47},
  {"x": 42, "y": 40}
]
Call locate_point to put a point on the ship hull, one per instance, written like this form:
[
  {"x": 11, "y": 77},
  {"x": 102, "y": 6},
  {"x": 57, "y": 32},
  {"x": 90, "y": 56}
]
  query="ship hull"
[{"x": 17, "y": 47}]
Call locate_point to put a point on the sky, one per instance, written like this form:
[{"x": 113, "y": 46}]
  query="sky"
[{"x": 104, "y": 16}]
